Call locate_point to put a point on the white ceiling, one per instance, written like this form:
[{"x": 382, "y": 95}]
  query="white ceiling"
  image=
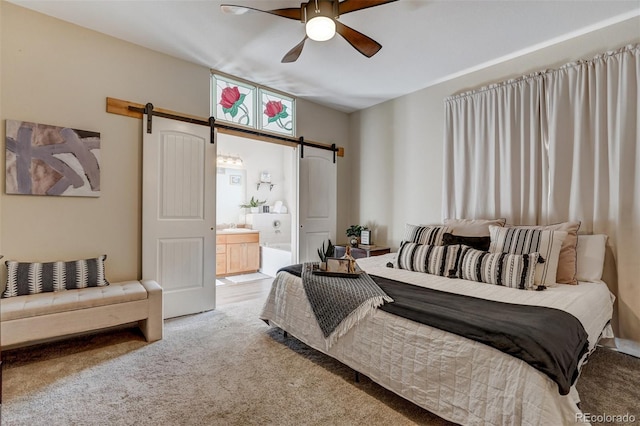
[{"x": 424, "y": 42}]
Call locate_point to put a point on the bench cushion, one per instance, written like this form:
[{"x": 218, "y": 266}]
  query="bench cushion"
[{"x": 68, "y": 300}]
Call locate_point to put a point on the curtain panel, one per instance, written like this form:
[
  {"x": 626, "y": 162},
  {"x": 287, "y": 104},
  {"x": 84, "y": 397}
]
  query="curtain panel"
[
  {"x": 496, "y": 162},
  {"x": 555, "y": 146},
  {"x": 594, "y": 163}
]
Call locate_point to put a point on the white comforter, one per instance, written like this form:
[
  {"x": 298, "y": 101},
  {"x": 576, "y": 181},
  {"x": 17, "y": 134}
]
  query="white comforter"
[{"x": 456, "y": 378}]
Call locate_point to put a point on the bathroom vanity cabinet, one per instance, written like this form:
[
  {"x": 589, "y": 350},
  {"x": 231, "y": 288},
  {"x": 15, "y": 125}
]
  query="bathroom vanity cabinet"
[{"x": 237, "y": 252}]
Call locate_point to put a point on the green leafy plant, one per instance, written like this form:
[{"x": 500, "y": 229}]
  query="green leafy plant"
[
  {"x": 254, "y": 202},
  {"x": 328, "y": 252},
  {"x": 355, "y": 230}
]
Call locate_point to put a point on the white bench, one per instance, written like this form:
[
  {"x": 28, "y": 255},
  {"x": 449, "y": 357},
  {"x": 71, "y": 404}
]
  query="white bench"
[{"x": 38, "y": 317}]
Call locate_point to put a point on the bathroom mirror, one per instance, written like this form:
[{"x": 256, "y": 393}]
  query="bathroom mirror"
[{"x": 231, "y": 187}]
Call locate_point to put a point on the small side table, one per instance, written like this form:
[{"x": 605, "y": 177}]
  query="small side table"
[{"x": 362, "y": 251}]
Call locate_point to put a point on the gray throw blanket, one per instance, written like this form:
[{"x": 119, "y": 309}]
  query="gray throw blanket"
[{"x": 338, "y": 303}]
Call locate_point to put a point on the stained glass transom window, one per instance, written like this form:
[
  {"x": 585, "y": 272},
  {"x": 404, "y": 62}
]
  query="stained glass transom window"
[
  {"x": 234, "y": 101},
  {"x": 252, "y": 105},
  {"x": 276, "y": 112}
]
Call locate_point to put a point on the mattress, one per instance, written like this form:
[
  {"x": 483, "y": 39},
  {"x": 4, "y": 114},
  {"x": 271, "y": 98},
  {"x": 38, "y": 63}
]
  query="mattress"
[{"x": 456, "y": 378}]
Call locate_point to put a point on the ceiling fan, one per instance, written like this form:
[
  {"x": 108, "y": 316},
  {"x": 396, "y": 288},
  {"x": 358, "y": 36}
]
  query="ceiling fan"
[{"x": 321, "y": 22}]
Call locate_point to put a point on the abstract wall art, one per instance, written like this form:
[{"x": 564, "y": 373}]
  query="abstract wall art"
[{"x": 51, "y": 160}]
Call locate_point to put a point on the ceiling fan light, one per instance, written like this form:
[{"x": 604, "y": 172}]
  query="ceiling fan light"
[{"x": 320, "y": 28}]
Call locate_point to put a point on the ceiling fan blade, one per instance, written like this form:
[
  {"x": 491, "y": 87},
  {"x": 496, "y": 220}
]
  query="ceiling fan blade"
[
  {"x": 347, "y": 6},
  {"x": 363, "y": 44},
  {"x": 294, "y": 53},
  {"x": 291, "y": 12}
]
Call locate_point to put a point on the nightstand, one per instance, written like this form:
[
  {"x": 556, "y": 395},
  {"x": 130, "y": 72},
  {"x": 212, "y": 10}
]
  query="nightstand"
[{"x": 362, "y": 251}]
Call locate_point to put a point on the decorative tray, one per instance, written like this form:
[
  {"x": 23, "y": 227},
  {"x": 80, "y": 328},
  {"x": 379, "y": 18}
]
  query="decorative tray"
[
  {"x": 329, "y": 272},
  {"x": 337, "y": 274}
]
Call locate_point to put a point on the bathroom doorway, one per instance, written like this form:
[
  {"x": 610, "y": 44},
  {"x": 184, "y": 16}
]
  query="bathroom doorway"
[{"x": 256, "y": 214}]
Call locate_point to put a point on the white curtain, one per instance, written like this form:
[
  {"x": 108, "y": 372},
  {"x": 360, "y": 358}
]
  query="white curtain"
[
  {"x": 561, "y": 145},
  {"x": 594, "y": 163},
  {"x": 496, "y": 163}
]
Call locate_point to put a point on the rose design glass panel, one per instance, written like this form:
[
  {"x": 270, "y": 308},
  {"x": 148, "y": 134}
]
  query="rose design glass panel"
[
  {"x": 234, "y": 101},
  {"x": 277, "y": 113}
]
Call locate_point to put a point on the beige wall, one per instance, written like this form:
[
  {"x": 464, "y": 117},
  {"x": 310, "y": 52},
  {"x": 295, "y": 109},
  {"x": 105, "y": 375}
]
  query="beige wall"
[
  {"x": 58, "y": 73},
  {"x": 397, "y": 175}
]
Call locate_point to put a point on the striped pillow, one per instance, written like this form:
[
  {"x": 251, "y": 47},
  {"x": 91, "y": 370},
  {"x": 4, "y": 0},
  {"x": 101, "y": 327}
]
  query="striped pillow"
[
  {"x": 434, "y": 260},
  {"x": 431, "y": 234},
  {"x": 509, "y": 270},
  {"x": 25, "y": 278},
  {"x": 546, "y": 242},
  {"x": 567, "y": 260}
]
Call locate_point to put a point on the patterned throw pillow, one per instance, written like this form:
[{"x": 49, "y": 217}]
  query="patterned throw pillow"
[
  {"x": 434, "y": 260},
  {"x": 567, "y": 260},
  {"x": 25, "y": 278},
  {"x": 516, "y": 240},
  {"x": 478, "y": 243},
  {"x": 509, "y": 270},
  {"x": 431, "y": 234}
]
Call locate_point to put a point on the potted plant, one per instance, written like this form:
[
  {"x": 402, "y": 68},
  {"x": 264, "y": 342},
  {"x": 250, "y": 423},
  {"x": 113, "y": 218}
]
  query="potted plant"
[
  {"x": 325, "y": 253},
  {"x": 253, "y": 204},
  {"x": 353, "y": 232}
]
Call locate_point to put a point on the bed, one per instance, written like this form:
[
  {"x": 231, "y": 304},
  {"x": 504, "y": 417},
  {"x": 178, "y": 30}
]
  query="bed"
[{"x": 459, "y": 379}]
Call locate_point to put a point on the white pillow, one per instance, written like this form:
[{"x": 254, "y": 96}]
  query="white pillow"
[
  {"x": 590, "y": 257},
  {"x": 516, "y": 240},
  {"x": 473, "y": 227}
]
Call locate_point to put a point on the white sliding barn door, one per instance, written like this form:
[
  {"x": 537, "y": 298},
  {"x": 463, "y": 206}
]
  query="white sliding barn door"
[
  {"x": 178, "y": 214},
  {"x": 317, "y": 202}
]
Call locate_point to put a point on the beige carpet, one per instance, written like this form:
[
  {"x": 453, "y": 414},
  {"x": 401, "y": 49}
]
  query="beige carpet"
[{"x": 229, "y": 368}]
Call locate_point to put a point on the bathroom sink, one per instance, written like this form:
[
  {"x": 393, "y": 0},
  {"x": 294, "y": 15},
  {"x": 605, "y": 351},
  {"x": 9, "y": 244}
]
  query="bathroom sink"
[{"x": 236, "y": 231}]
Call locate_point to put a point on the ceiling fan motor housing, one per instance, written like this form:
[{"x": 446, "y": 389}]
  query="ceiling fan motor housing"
[
  {"x": 320, "y": 18},
  {"x": 313, "y": 8}
]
